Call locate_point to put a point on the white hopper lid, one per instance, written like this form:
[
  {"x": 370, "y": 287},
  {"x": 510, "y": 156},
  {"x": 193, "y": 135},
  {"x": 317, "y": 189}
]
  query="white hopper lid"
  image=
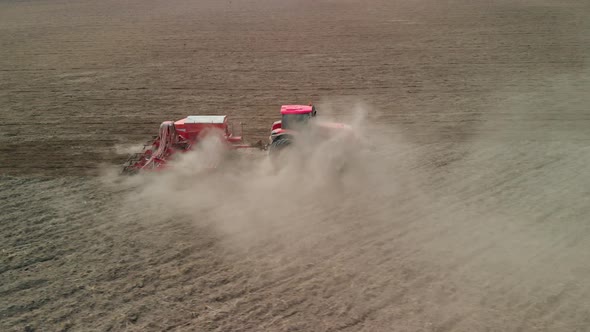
[{"x": 218, "y": 119}]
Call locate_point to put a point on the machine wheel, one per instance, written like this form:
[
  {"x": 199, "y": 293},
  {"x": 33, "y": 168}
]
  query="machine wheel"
[
  {"x": 279, "y": 144},
  {"x": 277, "y": 147}
]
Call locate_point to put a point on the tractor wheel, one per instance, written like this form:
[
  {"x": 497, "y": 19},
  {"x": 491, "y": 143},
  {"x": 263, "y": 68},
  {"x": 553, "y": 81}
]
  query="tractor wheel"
[
  {"x": 279, "y": 144},
  {"x": 277, "y": 147}
]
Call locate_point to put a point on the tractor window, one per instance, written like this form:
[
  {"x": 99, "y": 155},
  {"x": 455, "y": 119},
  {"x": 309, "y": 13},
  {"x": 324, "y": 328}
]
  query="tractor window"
[{"x": 294, "y": 120}]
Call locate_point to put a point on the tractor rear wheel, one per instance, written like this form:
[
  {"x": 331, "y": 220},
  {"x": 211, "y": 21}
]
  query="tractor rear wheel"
[{"x": 277, "y": 147}]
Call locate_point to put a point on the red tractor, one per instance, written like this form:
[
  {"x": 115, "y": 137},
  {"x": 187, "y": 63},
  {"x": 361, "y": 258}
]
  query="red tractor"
[
  {"x": 297, "y": 120},
  {"x": 180, "y": 137}
]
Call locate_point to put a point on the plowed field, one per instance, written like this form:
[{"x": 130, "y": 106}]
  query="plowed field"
[{"x": 469, "y": 213}]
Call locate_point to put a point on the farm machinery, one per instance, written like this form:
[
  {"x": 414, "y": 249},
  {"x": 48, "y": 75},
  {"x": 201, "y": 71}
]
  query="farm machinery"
[
  {"x": 298, "y": 124},
  {"x": 177, "y": 137}
]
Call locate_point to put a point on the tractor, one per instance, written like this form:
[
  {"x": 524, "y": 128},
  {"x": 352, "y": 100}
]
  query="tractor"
[{"x": 300, "y": 121}]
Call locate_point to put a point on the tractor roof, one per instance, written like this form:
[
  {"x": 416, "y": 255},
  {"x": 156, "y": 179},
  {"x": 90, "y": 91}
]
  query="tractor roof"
[
  {"x": 296, "y": 109},
  {"x": 216, "y": 119}
]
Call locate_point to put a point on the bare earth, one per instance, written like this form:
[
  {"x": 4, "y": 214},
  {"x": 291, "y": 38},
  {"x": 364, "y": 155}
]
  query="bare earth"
[{"x": 470, "y": 213}]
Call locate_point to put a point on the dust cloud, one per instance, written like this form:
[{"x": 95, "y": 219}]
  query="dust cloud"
[{"x": 249, "y": 200}]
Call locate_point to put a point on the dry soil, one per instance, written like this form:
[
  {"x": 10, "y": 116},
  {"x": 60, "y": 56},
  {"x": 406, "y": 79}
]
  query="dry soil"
[{"x": 468, "y": 213}]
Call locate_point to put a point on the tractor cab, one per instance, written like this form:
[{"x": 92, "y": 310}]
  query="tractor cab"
[{"x": 296, "y": 116}]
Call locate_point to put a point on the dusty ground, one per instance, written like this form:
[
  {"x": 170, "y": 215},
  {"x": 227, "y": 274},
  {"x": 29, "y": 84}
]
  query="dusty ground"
[{"x": 470, "y": 215}]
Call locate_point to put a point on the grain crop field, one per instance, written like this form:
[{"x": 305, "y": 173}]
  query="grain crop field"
[{"x": 469, "y": 212}]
